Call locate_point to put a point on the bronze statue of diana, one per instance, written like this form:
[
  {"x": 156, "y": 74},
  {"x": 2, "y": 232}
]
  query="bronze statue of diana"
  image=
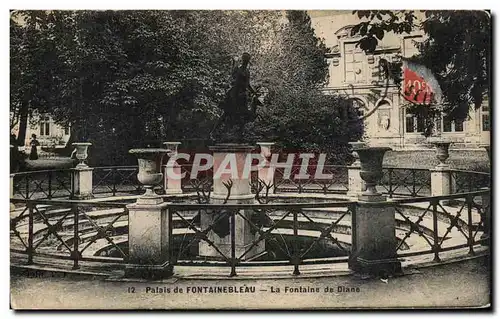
[{"x": 240, "y": 103}]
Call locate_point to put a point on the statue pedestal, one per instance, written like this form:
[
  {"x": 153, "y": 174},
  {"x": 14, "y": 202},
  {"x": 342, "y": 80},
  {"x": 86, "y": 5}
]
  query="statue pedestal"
[{"x": 231, "y": 157}]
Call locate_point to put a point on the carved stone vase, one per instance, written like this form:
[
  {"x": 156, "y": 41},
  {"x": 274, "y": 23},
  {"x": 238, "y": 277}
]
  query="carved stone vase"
[
  {"x": 149, "y": 175},
  {"x": 172, "y": 147},
  {"x": 81, "y": 153},
  {"x": 442, "y": 151},
  {"x": 371, "y": 159}
]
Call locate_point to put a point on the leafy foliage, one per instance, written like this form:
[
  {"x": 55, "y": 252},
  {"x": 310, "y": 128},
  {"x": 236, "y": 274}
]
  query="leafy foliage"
[
  {"x": 457, "y": 49},
  {"x": 126, "y": 79}
]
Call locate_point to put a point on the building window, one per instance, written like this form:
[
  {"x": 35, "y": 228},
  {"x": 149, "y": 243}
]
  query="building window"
[
  {"x": 452, "y": 125},
  {"x": 485, "y": 117},
  {"x": 353, "y": 63},
  {"x": 409, "y": 46},
  {"x": 414, "y": 124},
  {"x": 44, "y": 126}
]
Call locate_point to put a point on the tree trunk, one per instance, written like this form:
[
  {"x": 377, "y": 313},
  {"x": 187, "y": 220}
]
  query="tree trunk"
[{"x": 23, "y": 124}]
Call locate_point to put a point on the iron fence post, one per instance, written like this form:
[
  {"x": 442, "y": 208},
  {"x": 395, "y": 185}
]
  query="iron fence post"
[
  {"x": 296, "y": 257},
  {"x": 470, "y": 239},
  {"x": 27, "y": 187},
  {"x": 30, "y": 234},
  {"x": 49, "y": 196},
  {"x": 76, "y": 240},
  {"x": 233, "y": 243},
  {"x": 436, "y": 245}
]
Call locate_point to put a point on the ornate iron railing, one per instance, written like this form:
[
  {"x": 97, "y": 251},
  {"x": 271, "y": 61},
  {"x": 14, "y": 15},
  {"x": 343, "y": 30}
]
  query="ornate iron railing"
[
  {"x": 269, "y": 224},
  {"x": 468, "y": 181},
  {"x": 42, "y": 184},
  {"x": 413, "y": 182},
  {"x": 68, "y": 230},
  {"x": 116, "y": 180},
  {"x": 122, "y": 180},
  {"x": 97, "y": 231},
  {"x": 441, "y": 225},
  {"x": 292, "y": 182}
]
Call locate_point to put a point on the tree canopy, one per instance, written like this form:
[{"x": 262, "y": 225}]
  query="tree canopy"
[{"x": 124, "y": 79}]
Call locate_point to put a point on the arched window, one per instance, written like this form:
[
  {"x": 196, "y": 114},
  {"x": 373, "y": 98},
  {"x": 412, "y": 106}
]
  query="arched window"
[{"x": 384, "y": 104}]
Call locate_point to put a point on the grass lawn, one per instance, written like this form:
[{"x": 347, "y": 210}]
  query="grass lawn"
[
  {"x": 459, "y": 159},
  {"x": 49, "y": 163}
]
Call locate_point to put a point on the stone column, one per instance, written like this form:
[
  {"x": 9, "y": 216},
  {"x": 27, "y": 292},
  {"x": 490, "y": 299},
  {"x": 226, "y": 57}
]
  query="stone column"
[
  {"x": 442, "y": 181},
  {"x": 172, "y": 183},
  {"x": 373, "y": 228},
  {"x": 228, "y": 156},
  {"x": 81, "y": 177},
  {"x": 266, "y": 173},
  {"x": 149, "y": 222},
  {"x": 356, "y": 184}
]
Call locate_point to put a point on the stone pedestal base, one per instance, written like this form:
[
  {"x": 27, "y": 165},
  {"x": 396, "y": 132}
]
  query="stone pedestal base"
[
  {"x": 233, "y": 157},
  {"x": 81, "y": 183},
  {"x": 374, "y": 239},
  {"x": 441, "y": 182},
  {"x": 172, "y": 181},
  {"x": 220, "y": 235},
  {"x": 148, "y": 240}
]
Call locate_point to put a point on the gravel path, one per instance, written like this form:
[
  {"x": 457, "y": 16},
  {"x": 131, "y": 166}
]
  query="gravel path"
[{"x": 464, "y": 284}]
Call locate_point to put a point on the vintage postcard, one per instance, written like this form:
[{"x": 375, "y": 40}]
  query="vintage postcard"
[{"x": 244, "y": 160}]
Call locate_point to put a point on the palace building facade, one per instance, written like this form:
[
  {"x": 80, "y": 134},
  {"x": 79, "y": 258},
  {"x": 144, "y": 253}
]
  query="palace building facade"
[
  {"x": 48, "y": 133},
  {"x": 356, "y": 75}
]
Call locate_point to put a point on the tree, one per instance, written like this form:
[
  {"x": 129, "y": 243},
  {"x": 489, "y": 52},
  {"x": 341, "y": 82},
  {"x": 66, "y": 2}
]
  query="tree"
[
  {"x": 457, "y": 50},
  {"x": 30, "y": 68},
  {"x": 126, "y": 79}
]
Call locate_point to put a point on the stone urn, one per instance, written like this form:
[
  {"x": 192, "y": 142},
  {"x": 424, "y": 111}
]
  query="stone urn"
[
  {"x": 150, "y": 161},
  {"x": 265, "y": 149},
  {"x": 442, "y": 151},
  {"x": 371, "y": 159},
  {"x": 81, "y": 153},
  {"x": 355, "y": 146},
  {"x": 172, "y": 147}
]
